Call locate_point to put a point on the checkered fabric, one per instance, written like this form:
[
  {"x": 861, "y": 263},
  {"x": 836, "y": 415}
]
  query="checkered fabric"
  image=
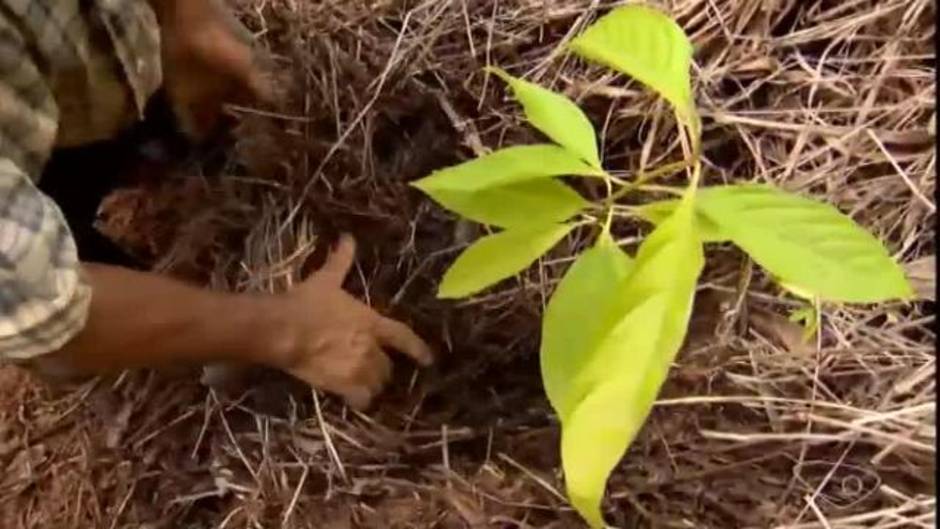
[{"x": 71, "y": 72}]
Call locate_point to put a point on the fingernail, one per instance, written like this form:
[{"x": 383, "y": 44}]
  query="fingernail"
[{"x": 427, "y": 359}]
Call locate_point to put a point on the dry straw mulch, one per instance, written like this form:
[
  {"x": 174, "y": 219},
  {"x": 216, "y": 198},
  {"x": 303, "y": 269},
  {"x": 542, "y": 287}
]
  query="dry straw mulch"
[{"x": 754, "y": 429}]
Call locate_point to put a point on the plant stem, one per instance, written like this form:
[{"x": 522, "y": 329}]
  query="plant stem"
[
  {"x": 696, "y": 174},
  {"x": 678, "y": 191},
  {"x": 609, "y": 205},
  {"x": 583, "y": 222},
  {"x": 621, "y": 211},
  {"x": 644, "y": 177},
  {"x": 691, "y": 158},
  {"x": 617, "y": 180}
]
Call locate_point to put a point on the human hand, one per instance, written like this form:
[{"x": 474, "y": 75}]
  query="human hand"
[
  {"x": 336, "y": 342},
  {"x": 208, "y": 61}
]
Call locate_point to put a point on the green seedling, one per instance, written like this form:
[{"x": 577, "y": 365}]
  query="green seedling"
[{"x": 615, "y": 322}]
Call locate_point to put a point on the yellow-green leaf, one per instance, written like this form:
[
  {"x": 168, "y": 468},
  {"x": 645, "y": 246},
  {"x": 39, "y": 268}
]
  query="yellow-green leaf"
[
  {"x": 507, "y": 166},
  {"x": 647, "y": 45},
  {"x": 658, "y": 211},
  {"x": 556, "y": 116},
  {"x": 522, "y": 204},
  {"x": 810, "y": 246},
  {"x": 607, "y": 395},
  {"x": 568, "y": 330},
  {"x": 496, "y": 257},
  {"x": 596, "y": 434}
]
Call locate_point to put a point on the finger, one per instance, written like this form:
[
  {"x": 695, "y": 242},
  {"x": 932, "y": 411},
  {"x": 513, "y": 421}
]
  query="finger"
[
  {"x": 400, "y": 337},
  {"x": 261, "y": 87},
  {"x": 381, "y": 369},
  {"x": 357, "y": 397},
  {"x": 340, "y": 261},
  {"x": 374, "y": 369}
]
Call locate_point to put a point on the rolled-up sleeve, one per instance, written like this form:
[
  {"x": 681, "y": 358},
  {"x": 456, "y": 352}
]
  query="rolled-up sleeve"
[
  {"x": 44, "y": 298},
  {"x": 71, "y": 72}
]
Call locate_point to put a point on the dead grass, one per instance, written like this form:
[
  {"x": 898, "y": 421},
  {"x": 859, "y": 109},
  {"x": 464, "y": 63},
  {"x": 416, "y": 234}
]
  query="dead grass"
[{"x": 754, "y": 428}]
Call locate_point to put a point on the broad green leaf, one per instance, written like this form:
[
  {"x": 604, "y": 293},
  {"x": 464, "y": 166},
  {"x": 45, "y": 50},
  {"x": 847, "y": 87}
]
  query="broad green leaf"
[
  {"x": 657, "y": 212},
  {"x": 526, "y": 203},
  {"x": 646, "y": 44},
  {"x": 507, "y": 166},
  {"x": 568, "y": 328},
  {"x": 611, "y": 386},
  {"x": 556, "y": 116},
  {"x": 796, "y": 290},
  {"x": 496, "y": 257},
  {"x": 600, "y": 428},
  {"x": 809, "y": 246}
]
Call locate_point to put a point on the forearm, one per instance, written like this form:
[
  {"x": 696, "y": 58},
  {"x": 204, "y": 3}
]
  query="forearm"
[
  {"x": 316, "y": 331},
  {"x": 145, "y": 320}
]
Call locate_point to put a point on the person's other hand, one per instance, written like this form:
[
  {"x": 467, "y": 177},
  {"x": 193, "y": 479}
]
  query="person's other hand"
[
  {"x": 208, "y": 61},
  {"x": 338, "y": 343}
]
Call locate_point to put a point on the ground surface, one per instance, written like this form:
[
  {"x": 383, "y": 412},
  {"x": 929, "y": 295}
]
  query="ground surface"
[{"x": 755, "y": 429}]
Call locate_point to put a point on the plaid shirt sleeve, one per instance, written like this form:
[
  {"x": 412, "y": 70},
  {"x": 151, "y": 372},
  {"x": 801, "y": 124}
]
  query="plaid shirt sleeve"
[
  {"x": 43, "y": 298},
  {"x": 71, "y": 72}
]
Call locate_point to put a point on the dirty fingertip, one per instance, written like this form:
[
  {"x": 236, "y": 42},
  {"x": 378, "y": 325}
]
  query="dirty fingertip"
[
  {"x": 426, "y": 356},
  {"x": 420, "y": 351},
  {"x": 358, "y": 399},
  {"x": 346, "y": 242}
]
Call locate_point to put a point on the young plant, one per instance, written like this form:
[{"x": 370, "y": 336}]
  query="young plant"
[{"x": 615, "y": 323}]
